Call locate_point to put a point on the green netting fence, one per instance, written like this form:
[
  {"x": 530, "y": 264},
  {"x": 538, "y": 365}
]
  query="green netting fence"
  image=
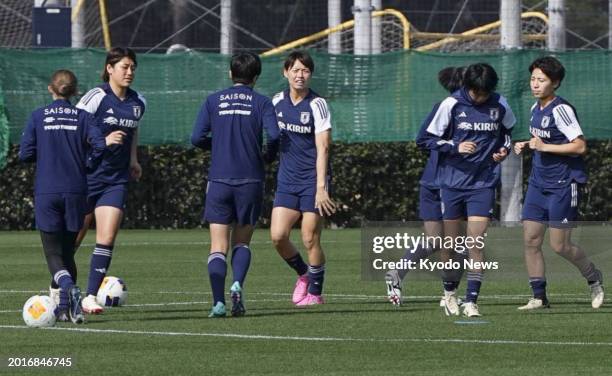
[{"x": 373, "y": 98}]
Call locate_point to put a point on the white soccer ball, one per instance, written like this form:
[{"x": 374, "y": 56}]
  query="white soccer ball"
[
  {"x": 112, "y": 292},
  {"x": 39, "y": 311}
]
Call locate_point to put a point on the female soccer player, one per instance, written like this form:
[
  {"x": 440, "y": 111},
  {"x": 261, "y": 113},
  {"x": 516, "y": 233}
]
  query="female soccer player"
[
  {"x": 557, "y": 171},
  {"x": 236, "y": 118},
  {"x": 430, "y": 204},
  {"x": 303, "y": 177},
  {"x": 480, "y": 123},
  {"x": 115, "y": 107},
  {"x": 57, "y": 137}
]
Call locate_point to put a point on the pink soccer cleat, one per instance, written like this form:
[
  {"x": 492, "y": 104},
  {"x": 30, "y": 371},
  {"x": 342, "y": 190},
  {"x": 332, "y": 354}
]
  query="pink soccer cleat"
[
  {"x": 301, "y": 289},
  {"x": 310, "y": 300}
]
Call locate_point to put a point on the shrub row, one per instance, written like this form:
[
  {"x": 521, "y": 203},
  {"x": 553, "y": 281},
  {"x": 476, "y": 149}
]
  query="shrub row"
[{"x": 374, "y": 181}]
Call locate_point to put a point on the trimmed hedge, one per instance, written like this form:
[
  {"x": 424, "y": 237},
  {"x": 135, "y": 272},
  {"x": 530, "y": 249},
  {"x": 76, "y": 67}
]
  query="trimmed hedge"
[{"x": 377, "y": 181}]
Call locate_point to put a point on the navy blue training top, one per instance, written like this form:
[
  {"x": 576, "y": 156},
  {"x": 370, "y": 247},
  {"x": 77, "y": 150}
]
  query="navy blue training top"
[
  {"x": 488, "y": 124},
  {"x": 113, "y": 114},
  {"x": 557, "y": 123},
  {"x": 236, "y": 117},
  {"x": 56, "y": 137},
  {"x": 299, "y": 124}
]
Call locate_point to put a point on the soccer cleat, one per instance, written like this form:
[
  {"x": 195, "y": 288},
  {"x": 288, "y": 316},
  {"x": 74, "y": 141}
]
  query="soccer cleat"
[
  {"x": 394, "y": 287},
  {"x": 218, "y": 310},
  {"x": 309, "y": 300},
  {"x": 459, "y": 302},
  {"x": 237, "y": 300},
  {"x": 471, "y": 310},
  {"x": 534, "y": 303},
  {"x": 74, "y": 304},
  {"x": 451, "y": 305},
  {"x": 90, "y": 306},
  {"x": 301, "y": 289},
  {"x": 54, "y": 294},
  {"x": 597, "y": 294}
]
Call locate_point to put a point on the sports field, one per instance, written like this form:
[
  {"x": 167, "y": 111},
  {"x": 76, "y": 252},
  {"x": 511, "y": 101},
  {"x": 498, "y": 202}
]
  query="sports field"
[{"x": 164, "y": 328}]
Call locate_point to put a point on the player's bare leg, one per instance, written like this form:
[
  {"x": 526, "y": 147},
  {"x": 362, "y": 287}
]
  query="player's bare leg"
[
  {"x": 283, "y": 220},
  {"x": 533, "y": 237},
  {"x": 561, "y": 243},
  {"x": 312, "y": 225}
]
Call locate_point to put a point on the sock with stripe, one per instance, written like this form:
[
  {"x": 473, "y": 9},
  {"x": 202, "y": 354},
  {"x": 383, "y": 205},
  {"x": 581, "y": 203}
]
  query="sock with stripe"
[
  {"x": 591, "y": 274},
  {"x": 297, "y": 263},
  {"x": 474, "y": 281},
  {"x": 241, "y": 260},
  {"x": 65, "y": 282},
  {"x": 316, "y": 275},
  {"x": 450, "y": 281},
  {"x": 538, "y": 286},
  {"x": 100, "y": 262},
  {"x": 217, "y": 270}
]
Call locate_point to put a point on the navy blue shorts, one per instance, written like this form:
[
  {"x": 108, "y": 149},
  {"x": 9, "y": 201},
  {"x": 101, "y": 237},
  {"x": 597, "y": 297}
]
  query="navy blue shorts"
[
  {"x": 457, "y": 203},
  {"x": 226, "y": 204},
  {"x": 114, "y": 195},
  {"x": 430, "y": 204},
  {"x": 556, "y": 206},
  {"x": 298, "y": 197},
  {"x": 60, "y": 211}
]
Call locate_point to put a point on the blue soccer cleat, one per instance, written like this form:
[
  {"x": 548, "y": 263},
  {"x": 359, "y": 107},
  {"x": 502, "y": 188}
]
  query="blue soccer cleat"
[
  {"x": 218, "y": 310},
  {"x": 74, "y": 305}
]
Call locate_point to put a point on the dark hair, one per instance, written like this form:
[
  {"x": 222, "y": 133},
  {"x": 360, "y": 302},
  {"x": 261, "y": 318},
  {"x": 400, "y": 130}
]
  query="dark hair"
[
  {"x": 63, "y": 83},
  {"x": 245, "y": 66},
  {"x": 303, "y": 58},
  {"x": 480, "y": 77},
  {"x": 114, "y": 56},
  {"x": 551, "y": 67},
  {"x": 451, "y": 78}
]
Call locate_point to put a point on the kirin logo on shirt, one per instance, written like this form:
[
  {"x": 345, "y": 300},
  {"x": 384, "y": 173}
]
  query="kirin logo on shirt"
[
  {"x": 545, "y": 122},
  {"x": 137, "y": 111},
  {"x": 305, "y": 117},
  {"x": 494, "y": 113}
]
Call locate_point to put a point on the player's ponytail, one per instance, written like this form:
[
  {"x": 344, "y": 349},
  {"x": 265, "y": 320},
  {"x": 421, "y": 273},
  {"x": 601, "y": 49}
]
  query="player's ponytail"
[
  {"x": 114, "y": 56},
  {"x": 451, "y": 78},
  {"x": 63, "y": 83}
]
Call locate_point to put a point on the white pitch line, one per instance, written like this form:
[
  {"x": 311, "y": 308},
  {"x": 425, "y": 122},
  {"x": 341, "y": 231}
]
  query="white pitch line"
[
  {"x": 342, "y": 296},
  {"x": 318, "y": 339},
  {"x": 172, "y": 304},
  {"x": 198, "y": 302},
  {"x": 136, "y": 243}
]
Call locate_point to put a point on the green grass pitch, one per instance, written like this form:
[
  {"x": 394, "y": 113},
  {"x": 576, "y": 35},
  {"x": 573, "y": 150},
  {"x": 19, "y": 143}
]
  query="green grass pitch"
[{"x": 164, "y": 329}]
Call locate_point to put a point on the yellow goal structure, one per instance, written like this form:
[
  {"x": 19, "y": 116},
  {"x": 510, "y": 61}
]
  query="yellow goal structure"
[{"x": 397, "y": 33}]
